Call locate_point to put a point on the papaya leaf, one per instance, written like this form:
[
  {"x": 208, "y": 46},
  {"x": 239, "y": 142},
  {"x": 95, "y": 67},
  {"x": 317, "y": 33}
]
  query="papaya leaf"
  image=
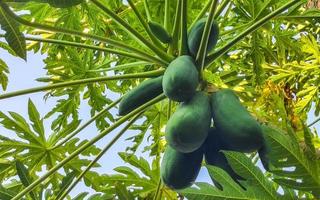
[
  {"x": 64, "y": 3},
  {"x": 256, "y": 184},
  {"x": 25, "y": 177},
  {"x": 310, "y": 148},
  {"x": 56, "y": 3},
  {"x": 5, "y": 194},
  {"x": 81, "y": 196},
  {"x": 257, "y": 59},
  {"x": 308, "y": 14},
  {"x": 231, "y": 190},
  {"x": 13, "y": 35},
  {"x": 19, "y": 125},
  {"x": 66, "y": 181},
  {"x": 123, "y": 192},
  {"x": 37, "y": 122},
  {"x": 4, "y": 71},
  {"x": 143, "y": 182},
  {"x": 292, "y": 168},
  {"x": 140, "y": 163}
]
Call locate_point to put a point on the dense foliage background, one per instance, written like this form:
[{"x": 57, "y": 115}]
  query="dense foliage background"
[{"x": 98, "y": 51}]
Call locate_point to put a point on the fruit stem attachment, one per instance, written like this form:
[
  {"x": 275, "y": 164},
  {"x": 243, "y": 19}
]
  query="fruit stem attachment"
[
  {"x": 159, "y": 185},
  {"x": 166, "y": 20},
  {"x": 184, "y": 50},
  {"x": 173, "y": 46},
  {"x": 202, "y": 52}
]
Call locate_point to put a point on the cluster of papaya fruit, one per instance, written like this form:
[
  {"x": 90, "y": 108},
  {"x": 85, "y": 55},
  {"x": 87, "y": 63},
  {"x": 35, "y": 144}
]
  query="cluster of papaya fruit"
[{"x": 190, "y": 133}]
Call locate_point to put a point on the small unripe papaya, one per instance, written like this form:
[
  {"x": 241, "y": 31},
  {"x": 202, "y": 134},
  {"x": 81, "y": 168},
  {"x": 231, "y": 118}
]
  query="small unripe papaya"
[
  {"x": 195, "y": 35},
  {"x": 141, "y": 94},
  {"x": 159, "y": 31}
]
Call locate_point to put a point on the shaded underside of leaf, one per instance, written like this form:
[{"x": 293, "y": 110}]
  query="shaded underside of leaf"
[{"x": 13, "y": 35}]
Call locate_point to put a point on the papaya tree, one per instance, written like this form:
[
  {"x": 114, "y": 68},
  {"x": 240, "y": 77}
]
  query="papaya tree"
[{"x": 226, "y": 86}]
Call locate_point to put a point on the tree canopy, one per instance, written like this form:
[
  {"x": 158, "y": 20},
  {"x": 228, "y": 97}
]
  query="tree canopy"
[{"x": 267, "y": 51}]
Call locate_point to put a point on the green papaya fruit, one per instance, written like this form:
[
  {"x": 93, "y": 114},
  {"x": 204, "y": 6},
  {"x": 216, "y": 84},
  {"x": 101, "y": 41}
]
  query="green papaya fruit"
[
  {"x": 213, "y": 155},
  {"x": 264, "y": 151},
  {"x": 180, "y": 170},
  {"x": 195, "y": 35},
  {"x": 141, "y": 94},
  {"x": 180, "y": 80},
  {"x": 241, "y": 132},
  {"x": 188, "y": 127},
  {"x": 159, "y": 31},
  {"x": 64, "y": 3}
]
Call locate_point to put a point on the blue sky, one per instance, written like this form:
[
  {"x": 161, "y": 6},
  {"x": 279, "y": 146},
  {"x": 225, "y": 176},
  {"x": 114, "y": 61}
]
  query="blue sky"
[{"x": 23, "y": 75}]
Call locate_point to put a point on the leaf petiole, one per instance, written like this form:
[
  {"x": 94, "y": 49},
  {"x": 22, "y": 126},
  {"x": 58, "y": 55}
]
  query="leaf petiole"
[
  {"x": 150, "y": 74},
  {"x": 87, "y": 145}
]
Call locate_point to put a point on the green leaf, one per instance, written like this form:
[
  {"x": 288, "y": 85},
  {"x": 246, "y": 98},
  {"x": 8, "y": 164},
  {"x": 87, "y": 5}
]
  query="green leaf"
[
  {"x": 66, "y": 181},
  {"x": 63, "y": 3},
  {"x": 292, "y": 168},
  {"x": 142, "y": 164},
  {"x": 231, "y": 190},
  {"x": 25, "y": 177},
  {"x": 81, "y": 196},
  {"x": 56, "y": 3},
  {"x": 4, "y": 71},
  {"x": 310, "y": 148},
  {"x": 257, "y": 185},
  {"x": 122, "y": 192},
  {"x": 5, "y": 194},
  {"x": 308, "y": 14},
  {"x": 20, "y": 126},
  {"x": 252, "y": 174},
  {"x": 13, "y": 35},
  {"x": 34, "y": 117},
  {"x": 144, "y": 185},
  {"x": 257, "y": 59}
]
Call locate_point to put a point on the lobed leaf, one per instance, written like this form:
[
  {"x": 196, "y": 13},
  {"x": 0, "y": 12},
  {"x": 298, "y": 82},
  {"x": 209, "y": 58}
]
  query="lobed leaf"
[
  {"x": 292, "y": 168},
  {"x": 13, "y": 35},
  {"x": 25, "y": 177}
]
